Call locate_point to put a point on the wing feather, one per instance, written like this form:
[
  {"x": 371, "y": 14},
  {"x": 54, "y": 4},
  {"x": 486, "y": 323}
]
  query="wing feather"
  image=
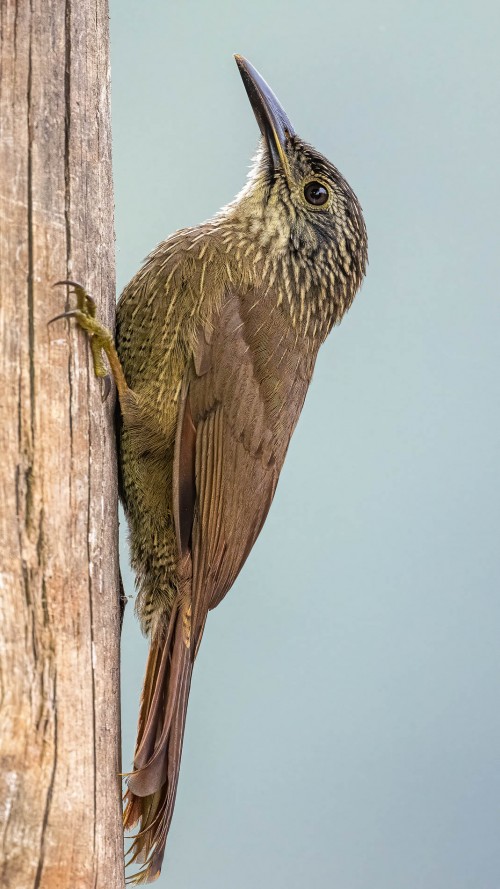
[{"x": 242, "y": 405}]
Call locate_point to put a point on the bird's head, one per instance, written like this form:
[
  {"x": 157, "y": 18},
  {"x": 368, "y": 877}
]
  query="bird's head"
[{"x": 302, "y": 217}]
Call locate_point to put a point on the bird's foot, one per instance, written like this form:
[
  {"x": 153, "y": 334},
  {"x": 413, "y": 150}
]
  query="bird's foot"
[{"x": 101, "y": 339}]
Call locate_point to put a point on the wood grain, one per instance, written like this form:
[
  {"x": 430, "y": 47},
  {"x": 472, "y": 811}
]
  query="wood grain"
[{"x": 60, "y": 810}]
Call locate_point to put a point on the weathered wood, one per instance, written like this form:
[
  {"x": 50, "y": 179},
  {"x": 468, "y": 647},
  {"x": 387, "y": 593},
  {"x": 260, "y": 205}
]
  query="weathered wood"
[{"x": 60, "y": 811}]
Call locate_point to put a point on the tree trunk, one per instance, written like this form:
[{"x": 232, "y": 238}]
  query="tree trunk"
[{"x": 60, "y": 810}]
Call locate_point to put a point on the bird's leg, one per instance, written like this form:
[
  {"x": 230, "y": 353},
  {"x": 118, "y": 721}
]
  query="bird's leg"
[{"x": 101, "y": 340}]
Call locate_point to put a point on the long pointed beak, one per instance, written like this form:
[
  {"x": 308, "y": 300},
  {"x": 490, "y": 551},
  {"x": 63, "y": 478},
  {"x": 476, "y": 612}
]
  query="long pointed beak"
[{"x": 273, "y": 122}]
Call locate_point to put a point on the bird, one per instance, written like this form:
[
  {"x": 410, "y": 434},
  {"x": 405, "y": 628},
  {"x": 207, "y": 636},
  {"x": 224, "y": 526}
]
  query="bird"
[{"x": 216, "y": 341}]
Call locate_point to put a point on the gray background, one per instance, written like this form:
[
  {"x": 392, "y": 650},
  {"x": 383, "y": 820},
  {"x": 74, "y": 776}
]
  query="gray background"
[{"x": 344, "y": 725}]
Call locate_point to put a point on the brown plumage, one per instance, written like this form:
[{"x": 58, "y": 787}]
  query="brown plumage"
[{"x": 217, "y": 336}]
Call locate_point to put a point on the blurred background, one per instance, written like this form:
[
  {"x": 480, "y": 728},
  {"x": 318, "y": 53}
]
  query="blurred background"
[{"x": 344, "y": 727}]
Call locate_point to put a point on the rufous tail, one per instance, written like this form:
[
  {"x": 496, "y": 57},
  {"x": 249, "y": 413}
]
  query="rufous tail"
[{"x": 152, "y": 786}]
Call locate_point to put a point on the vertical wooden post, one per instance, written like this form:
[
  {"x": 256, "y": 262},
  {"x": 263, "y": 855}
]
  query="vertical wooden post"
[{"x": 60, "y": 811}]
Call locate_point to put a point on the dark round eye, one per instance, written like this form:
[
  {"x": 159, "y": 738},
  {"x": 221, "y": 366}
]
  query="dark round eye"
[{"x": 315, "y": 193}]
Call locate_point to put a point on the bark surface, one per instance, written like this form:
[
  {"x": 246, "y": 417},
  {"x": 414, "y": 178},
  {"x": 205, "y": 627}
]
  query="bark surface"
[{"x": 60, "y": 807}]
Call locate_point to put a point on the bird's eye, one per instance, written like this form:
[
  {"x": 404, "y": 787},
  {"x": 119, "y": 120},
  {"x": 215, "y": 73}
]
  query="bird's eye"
[{"x": 316, "y": 193}]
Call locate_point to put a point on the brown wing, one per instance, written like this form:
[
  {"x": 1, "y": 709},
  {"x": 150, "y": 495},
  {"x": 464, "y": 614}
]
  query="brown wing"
[{"x": 241, "y": 401}]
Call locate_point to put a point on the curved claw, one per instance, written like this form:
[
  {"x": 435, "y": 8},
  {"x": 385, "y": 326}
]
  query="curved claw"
[
  {"x": 68, "y": 284},
  {"x": 70, "y": 314},
  {"x": 106, "y": 387},
  {"x": 85, "y": 302}
]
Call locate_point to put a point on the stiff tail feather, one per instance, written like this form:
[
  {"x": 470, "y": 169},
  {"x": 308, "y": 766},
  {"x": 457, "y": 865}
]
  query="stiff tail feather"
[{"x": 152, "y": 786}]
